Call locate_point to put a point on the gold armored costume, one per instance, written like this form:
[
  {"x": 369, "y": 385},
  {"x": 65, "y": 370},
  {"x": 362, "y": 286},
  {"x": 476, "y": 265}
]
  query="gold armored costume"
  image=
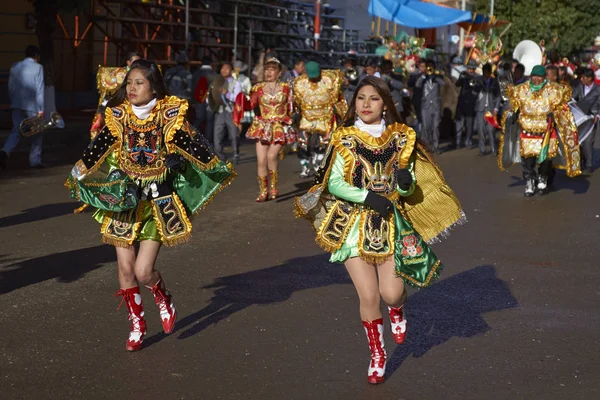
[
  {"x": 357, "y": 164},
  {"x": 534, "y": 133},
  {"x": 319, "y": 101}
]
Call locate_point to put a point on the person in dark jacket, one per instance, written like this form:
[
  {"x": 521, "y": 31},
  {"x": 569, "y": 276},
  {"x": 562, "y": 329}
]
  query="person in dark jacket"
[
  {"x": 395, "y": 83},
  {"x": 488, "y": 100},
  {"x": 431, "y": 105},
  {"x": 465, "y": 111},
  {"x": 587, "y": 96}
]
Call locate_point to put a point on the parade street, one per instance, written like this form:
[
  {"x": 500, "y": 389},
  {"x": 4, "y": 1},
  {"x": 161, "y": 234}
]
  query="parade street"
[{"x": 262, "y": 314}]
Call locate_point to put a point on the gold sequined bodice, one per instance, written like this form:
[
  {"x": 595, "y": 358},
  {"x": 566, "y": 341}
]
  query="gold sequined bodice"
[
  {"x": 273, "y": 106},
  {"x": 142, "y": 149},
  {"x": 317, "y": 99},
  {"x": 535, "y": 107}
]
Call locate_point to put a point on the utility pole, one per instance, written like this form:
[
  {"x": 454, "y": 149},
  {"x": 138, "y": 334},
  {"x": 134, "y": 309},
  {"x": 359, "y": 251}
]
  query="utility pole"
[
  {"x": 187, "y": 25},
  {"x": 317, "y": 27},
  {"x": 491, "y": 15},
  {"x": 463, "y": 6},
  {"x": 235, "y": 32}
]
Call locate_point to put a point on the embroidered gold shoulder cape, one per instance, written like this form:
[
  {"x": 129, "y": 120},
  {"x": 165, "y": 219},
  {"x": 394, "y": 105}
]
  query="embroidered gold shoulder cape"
[{"x": 433, "y": 208}]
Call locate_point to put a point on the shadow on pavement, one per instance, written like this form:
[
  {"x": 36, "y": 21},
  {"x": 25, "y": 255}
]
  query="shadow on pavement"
[
  {"x": 301, "y": 188},
  {"x": 65, "y": 267},
  {"x": 39, "y": 213},
  {"x": 578, "y": 185},
  {"x": 234, "y": 293},
  {"x": 453, "y": 307}
]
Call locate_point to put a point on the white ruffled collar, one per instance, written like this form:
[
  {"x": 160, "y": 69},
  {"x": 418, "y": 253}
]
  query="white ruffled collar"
[
  {"x": 143, "y": 112},
  {"x": 375, "y": 130}
]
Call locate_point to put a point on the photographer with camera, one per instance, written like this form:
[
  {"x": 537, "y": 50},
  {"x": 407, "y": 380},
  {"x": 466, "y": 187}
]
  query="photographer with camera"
[
  {"x": 488, "y": 100},
  {"x": 465, "y": 110}
]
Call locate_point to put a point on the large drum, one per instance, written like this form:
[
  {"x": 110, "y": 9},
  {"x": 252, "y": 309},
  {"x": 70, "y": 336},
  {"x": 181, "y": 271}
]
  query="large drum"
[{"x": 585, "y": 123}]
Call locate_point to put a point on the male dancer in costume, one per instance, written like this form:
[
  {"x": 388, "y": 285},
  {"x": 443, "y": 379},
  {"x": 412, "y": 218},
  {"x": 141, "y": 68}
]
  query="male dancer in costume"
[
  {"x": 538, "y": 129},
  {"x": 319, "y": 97}
]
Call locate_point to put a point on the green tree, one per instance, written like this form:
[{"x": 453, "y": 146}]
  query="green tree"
[{"x": 573, "y": 22}]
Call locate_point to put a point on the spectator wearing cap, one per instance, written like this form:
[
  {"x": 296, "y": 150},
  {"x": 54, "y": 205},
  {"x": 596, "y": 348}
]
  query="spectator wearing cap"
[
  {"x": 178, "y": 79},
  {"x": 26, "y": 92},
  {"x": 457, "y": 67},
  {"x": 240, "y": 74},
  {"x": 202, "y": 78}
]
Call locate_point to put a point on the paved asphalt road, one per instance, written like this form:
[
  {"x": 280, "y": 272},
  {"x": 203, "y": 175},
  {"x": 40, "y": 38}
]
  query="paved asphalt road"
[{"x": 263, "y": 315}]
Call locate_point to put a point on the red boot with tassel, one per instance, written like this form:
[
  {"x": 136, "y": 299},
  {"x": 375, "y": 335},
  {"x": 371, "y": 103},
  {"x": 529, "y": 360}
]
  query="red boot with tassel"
[
  {"x": 398, "y": 323},
  {"x": 133, "y": 301},
  {"x": 376, "y": 371},
  {"x": 164, "y": 301}
]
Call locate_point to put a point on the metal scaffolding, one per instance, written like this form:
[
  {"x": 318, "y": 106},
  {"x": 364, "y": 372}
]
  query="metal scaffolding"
[{"x": 223, "y": 29}]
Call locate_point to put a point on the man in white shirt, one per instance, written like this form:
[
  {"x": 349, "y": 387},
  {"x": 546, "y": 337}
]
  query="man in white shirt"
[
  {"x": 224, "y": 116},
  {"x": 26, "y": 92}
]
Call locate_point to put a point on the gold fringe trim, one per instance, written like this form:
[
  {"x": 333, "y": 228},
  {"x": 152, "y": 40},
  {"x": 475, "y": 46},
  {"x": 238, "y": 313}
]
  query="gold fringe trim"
[
  {"x": 223, "y": 184},
  {"x": 159, "y": 226},
  {"x": 136, "y": 225},
  {"x": 173, "y": 126},
  {"x": 117, "y": 242},
  {"x": 110, "y": 121},
  {"x": 446, "y": 232},
  {"x": 298, "y": 211},
  {"x": 180, "y": 240},
  {"x": 72, "y": 186},
  {"x": 434, "y": 208},
  {"x": 413, "y": 282},
  {"x": 190, "y": 158},
  {"x": 375, "y": 258},
  {"x": 323, "y": 243},
  {"x": 80, "y": 209}
]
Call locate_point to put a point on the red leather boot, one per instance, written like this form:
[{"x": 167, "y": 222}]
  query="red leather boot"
[
  {"x": 376, "y": 371},
  {"x": 398, "y": 323},
  {"x": 133, "y": 301},
  {"x": 164, "y": 301}
]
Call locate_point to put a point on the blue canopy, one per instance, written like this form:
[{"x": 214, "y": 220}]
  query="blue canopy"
[{"x": 417, "y": 14}]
